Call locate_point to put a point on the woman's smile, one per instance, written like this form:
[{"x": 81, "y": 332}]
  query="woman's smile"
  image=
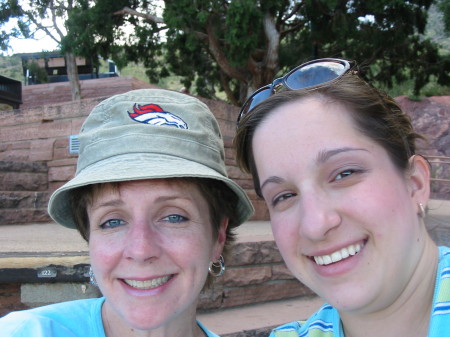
[
  {"x": 338, "y": 255},
  {"x": 148, "y": 284}
]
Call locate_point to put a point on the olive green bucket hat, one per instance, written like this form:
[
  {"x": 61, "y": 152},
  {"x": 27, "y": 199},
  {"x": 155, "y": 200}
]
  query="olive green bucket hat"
[{"x": 147, "y": 134}]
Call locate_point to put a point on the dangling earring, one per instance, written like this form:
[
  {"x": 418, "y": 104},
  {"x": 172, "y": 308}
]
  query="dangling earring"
[
  {"x": 219, "y": 266},
  {"x": 422, "y": 212},
  {"x": 92, "y": 279}
]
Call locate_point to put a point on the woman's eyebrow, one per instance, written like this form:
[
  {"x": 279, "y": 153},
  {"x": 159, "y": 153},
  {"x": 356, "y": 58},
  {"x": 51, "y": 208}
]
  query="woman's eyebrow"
[
  {"x": 324, "y": 155},
  {"x": 272, "y": 179},
  {"x": 108, "y": 203}
]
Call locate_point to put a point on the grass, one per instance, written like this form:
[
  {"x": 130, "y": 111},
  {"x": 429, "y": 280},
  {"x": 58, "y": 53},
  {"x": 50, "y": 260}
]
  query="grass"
[
  {"x": 138, "y": 71},
  {"x": 407, "y": 89}
]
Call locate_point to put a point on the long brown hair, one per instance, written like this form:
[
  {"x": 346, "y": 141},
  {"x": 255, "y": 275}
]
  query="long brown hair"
[{"x": 376, "y": 115}]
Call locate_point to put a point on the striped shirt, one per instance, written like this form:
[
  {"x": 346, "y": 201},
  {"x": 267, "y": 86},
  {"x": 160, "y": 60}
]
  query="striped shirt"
[{"x": 327, "y": 323}]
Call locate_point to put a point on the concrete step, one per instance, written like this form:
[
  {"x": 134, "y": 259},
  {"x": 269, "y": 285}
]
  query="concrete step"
[{"x": 258, "y": 319}]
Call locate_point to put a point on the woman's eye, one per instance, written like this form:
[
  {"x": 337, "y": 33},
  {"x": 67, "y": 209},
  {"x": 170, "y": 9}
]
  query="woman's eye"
[
  {"x": 112, "y": 223},
  {"x": 345, "y": 174},
  {"x": 282, "y": 197},
  {"x": 175, "y": 218}
]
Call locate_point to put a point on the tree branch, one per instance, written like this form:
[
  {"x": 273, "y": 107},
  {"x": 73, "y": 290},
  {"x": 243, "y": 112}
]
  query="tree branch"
[
  {"x": 55, "y": 25},
  {"x": 273, "y": 45},
  {"x": 40, "y": 26},
  {"x": 295, "y": 9},
  {"x": 220, "y": 57},
  {"x": 129, "y": 11},
  {"x": 226, "y": 87},
  {"x": 293, "y": 28}
]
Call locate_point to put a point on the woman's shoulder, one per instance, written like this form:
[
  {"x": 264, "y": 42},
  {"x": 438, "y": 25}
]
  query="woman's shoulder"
[
  {"x": 72, "y": 318},
  {"x": 324, "y": 322},
  {"x": 444, "y": 253},
  {"x": 444, "y": 262},
  {"x": 440, "y": 317}
]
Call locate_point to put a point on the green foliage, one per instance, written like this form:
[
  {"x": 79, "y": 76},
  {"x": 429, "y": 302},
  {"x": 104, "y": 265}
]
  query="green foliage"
[
  {"x": 434, "y": 89},
  {"x": 91, "y": 28},
  {"x": 444, "y": 7},
  {"x": 436, "y": 26},
  {"x": 243, "y": 22},
  {"x": 11, "y": 67},
  {"x": 236, "y": 46},
  {"x": 38, "y": 72}
]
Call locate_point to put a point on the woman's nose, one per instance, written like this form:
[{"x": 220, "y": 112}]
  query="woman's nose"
[
  {"x": 318, "y": 216},
  {"x": 143, "y": 243}
]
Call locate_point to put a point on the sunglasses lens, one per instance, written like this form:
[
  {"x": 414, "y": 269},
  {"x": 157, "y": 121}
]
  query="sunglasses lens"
[
  {"x": 314, "y": 74},
  {"x": 307, "y": 75},
  {"x": 261, "y": 95}
]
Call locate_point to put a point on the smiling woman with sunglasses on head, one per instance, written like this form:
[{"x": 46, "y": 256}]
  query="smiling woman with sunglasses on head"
[{"x": 335, "y": 160}]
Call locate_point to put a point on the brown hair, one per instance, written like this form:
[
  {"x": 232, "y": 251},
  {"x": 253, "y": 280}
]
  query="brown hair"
[
  {"x": 221, "y": 200},
  {"x": 376, "y": 115}
]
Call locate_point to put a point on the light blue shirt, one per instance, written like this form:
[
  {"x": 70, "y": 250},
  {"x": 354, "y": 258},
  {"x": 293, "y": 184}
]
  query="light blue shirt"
[{"x": 79, "y": 318}]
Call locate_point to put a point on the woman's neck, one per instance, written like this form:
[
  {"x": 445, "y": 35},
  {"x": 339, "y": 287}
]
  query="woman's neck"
[
  {"x": 182, "y": 326},
  {"x": 407, "y": 316}
]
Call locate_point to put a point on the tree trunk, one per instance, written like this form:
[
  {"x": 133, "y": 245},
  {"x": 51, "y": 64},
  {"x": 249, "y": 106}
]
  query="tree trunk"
[
  {"x": 72, "y": 72},
  {"x": 273, "y": 46}
]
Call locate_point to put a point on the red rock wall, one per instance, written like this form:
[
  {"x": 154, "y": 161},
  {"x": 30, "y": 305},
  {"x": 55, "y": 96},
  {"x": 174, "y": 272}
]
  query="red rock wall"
[
  {"x": 10, "y": 298},
  {"x": 431, "y": 118}
]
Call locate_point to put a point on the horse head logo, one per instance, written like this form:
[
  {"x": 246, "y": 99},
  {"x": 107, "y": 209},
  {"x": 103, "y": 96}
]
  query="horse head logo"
[{"x": 153, "y": 114}]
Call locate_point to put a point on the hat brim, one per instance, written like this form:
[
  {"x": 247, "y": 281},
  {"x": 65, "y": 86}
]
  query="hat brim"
[{"x": 138, "y": 166}]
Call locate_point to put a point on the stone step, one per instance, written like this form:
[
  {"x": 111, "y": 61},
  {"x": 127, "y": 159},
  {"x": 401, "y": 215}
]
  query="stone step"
[{"x": 258, "y": 319}]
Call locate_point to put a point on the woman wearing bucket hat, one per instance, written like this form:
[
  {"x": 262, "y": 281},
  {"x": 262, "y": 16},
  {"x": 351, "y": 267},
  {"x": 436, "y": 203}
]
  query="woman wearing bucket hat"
[
  {"x": 152, "y": 198},
  {"x": 335, "y": 161}
]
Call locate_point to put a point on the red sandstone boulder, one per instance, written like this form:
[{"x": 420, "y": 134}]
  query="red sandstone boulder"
[{"x": 431, "y": 118}]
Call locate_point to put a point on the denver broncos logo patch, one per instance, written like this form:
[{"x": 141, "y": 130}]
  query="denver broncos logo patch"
[{"x": 153, "y": 114}]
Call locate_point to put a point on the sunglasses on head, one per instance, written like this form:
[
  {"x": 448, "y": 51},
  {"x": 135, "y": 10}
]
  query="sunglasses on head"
[{"x": 306, "y": 75}]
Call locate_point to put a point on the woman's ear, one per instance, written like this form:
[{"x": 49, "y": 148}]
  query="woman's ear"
[
  {"x": 221, "y": 237},
  {"x": 419, "y": 179}
]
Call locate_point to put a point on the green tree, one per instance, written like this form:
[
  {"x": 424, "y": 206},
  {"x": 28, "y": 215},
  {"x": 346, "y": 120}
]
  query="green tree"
[
  {"x": 236, "y": 46},
  {"x": 444, "y": 7}
]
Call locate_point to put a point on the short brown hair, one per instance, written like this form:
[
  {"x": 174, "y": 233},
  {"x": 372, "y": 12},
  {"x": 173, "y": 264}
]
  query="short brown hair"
[{"x": 221, "y": 200}]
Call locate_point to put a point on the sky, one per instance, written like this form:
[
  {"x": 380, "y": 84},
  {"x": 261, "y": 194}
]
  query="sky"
[
  {"x": 42, "y": 42},
  {"x": 31, "y": 46}
]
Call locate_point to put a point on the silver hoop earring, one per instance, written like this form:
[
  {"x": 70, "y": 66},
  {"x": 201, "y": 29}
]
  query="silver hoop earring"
[
  {"x": 217, "y": 269},
  {"x": 92, "y": 279},
  {"x": 422, "y": 212}
]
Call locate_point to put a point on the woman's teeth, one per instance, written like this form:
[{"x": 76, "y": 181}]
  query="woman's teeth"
[
  {"x": 147, "y": 284},
  {"x": 338, "y": 255}
]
